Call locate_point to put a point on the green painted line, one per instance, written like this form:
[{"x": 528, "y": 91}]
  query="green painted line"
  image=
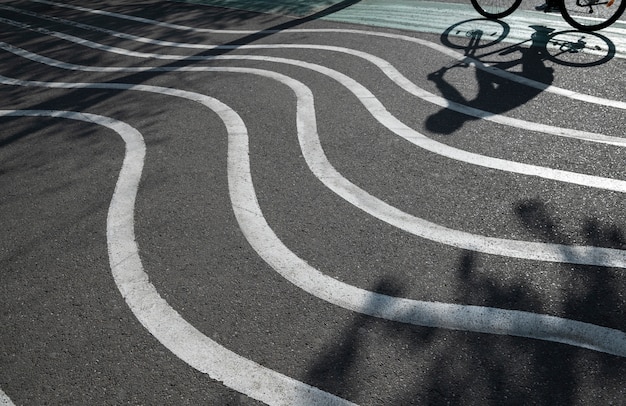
[
  {"x": 424, "y": 16},
  {"x": 295, "y": 8},
  {"x": 455, "y": 18},
  {"x": 414, "y": 15}
]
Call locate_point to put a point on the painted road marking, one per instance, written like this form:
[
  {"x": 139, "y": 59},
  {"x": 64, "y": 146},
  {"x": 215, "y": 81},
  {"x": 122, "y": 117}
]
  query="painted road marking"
[
  {"x": 428, "y": 16},
  {"x": 136, "y": 289},
  {"x": 437, "y": 47},
  {"x": 384, "y": 66},
  {"x": 387, "y": 68},
  {"x": 616, "y": 39},
  {"x": 404, "y": 83},
  {"x": 154, "y": 313},
  {"x": 298, "y": 8},
  {"x": 518, "y": 249},
  {"x": 586, "y": 255},
  {"x": 152, "y": 310}
]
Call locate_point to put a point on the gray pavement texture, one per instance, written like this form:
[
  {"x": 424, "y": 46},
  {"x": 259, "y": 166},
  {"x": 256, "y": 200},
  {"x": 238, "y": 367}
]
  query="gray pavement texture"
[{"x": 69, "y": 337}]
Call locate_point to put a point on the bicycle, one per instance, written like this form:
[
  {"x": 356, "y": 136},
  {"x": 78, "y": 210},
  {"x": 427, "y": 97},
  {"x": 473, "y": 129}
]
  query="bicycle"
[{"x": 584, "y": 15}]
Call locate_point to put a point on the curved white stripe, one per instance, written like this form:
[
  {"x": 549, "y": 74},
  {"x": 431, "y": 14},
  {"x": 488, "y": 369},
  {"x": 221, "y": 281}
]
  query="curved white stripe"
[
  {"x": 378, "y": 111},
  {"x": 387, "y": 68},
  {"x": 154, "y": 313},
  {"x": 309, "y": 279},
  {"x": 432, "y": 314},
  {"x": 440, "y": 48},
  {"x": 376, "y": 207},
  {"x": 140, "y": 19}
]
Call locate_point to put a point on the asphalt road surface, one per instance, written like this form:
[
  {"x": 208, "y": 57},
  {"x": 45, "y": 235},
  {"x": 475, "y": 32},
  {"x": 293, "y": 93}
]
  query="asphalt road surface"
[{"x": 358, "y": 202}]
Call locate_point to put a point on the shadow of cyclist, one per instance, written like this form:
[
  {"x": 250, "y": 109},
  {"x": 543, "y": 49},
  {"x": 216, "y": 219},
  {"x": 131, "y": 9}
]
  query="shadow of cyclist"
[{"x": 496, "y": 95}]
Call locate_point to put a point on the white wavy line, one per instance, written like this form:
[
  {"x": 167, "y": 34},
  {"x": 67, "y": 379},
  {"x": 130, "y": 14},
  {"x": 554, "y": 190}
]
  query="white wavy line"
[
  {"x": 297, "y": 271},
  {"x": 437, "y": 47},
  {"x": 154, "y": 313},
  {"x": 519, "y": 249},
  {"x": 431, "y": 314},
  {"x": 384, "y": 66},
  {"x": 378, "y": 111},
  {"x": 439, "y": 314}
]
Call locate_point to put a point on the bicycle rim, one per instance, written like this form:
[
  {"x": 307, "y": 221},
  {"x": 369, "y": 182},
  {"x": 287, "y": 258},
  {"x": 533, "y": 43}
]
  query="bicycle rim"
[
  {"x": 591, "y": 15},
  {"x": 495, "y": 8}
]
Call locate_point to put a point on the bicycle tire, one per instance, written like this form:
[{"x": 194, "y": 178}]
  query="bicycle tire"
[
  {"x": 592, "y": 15},
  {"x": 494, "y": 9}
]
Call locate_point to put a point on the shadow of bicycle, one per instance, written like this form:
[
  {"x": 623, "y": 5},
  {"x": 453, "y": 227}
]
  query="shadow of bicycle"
[{"x": 482, "y": 44}]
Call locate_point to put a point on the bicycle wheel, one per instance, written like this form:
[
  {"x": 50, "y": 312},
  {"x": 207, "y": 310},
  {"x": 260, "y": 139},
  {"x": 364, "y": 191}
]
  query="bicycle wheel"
[
  {"x": 495, "y": 8},
  {"x": 592, "y": 15}
]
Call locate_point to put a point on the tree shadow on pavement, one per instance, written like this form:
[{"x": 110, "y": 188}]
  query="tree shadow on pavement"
[
  {"x": 15, "y": 68},
  {"x": 430, "y": 366}
]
